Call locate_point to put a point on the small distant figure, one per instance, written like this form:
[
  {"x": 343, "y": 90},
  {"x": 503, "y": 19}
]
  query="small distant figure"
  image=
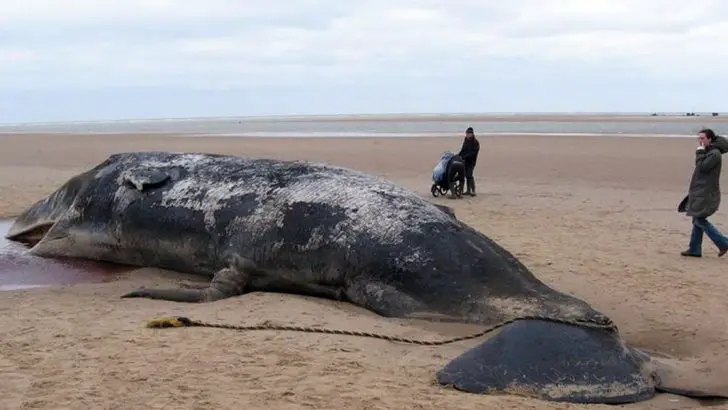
[
  {"x": 469, "y": 154},
  {"x": 703, "y": 197}
]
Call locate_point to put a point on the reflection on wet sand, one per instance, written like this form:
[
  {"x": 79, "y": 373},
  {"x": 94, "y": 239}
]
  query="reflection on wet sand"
[{"x": 19, "y": 270}]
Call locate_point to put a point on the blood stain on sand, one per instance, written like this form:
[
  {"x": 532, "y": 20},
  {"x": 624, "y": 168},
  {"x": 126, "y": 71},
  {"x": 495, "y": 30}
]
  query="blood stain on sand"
[{"x": 20, "y": 270}]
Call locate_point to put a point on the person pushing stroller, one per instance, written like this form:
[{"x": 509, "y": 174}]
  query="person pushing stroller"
[
  {"x": 469, "y": 153},
  {"x": 449, "y": 175}
]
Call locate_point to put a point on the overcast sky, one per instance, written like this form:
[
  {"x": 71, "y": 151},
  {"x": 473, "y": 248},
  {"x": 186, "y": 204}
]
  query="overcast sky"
[{"x": 105, "y": 59}]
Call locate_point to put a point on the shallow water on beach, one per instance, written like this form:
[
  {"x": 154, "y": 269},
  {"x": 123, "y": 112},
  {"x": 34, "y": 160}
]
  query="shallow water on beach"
[
  {"x": 20, "y": 270},
  {"x": 361, "y": 126}
]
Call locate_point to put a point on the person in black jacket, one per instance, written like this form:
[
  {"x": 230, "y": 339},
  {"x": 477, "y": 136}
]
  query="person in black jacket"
[{"x": 469, "y": 154}]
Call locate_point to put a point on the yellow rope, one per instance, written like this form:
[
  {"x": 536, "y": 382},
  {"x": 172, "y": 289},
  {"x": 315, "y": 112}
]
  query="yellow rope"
[{"x": 169, "y": 322}]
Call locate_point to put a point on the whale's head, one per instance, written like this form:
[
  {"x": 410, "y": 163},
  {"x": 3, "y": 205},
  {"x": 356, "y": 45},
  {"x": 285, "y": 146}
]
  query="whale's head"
[{"x": 32, "y": 226}]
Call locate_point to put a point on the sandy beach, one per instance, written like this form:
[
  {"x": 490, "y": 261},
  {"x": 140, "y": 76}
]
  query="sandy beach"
[{"x": 593, "y": 216}]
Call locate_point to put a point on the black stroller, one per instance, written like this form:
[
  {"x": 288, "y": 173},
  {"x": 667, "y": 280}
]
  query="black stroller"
[{"x": 448, "y": 175}]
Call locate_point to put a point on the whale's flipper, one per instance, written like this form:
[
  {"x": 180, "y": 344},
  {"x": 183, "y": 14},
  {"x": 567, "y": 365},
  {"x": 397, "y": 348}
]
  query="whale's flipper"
[
  {"x": 553, "y": 361},
  {"x": 226, "y": 283}
]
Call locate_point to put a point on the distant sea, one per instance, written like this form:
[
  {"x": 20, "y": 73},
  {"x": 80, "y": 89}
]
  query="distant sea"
[{"x": 405, "y": 125}]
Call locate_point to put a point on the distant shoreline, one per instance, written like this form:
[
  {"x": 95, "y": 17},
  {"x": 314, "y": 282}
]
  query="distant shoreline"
[
  {"x": 390, "y": 126},
  {"x": 478, "y": 117},
  {"x": 496, "y": 118},
  {"x": 339, "y": 135}
]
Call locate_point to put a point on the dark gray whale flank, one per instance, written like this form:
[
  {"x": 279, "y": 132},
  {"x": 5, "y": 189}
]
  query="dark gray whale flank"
[
  {"x": 258, "y": 224},
  {"x": 315, "y": 229}
]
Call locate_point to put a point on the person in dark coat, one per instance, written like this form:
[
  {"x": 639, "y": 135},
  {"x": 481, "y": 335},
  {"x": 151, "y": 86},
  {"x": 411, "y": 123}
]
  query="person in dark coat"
[
  {"x": 469, "y": 154},
  {"x": 703, "y": 197}
]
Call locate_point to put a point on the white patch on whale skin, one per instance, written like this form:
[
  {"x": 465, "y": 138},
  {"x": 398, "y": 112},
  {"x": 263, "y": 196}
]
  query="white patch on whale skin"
[
  {"x": 382, "y": 210},
  {"x": 184, "y": 160},
  {"x": 373, "y": 205},
  {"x": 123, "y": 197},
  {"x": 376, "y": 203},
  {"x": 189, "y": 193},
  {"x": 367, "y": 210}
]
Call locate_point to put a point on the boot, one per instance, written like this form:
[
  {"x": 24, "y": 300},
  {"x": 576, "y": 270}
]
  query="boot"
[{"x": 471, "y": 187}]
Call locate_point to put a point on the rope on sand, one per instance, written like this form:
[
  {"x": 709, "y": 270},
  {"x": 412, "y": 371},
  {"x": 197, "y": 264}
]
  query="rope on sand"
[{"x": 181, "y": 321}]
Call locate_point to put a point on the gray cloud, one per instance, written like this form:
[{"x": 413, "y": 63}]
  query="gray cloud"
[
  {"x": 146, "y": 39},
  {"x": 315, "y": 44}
]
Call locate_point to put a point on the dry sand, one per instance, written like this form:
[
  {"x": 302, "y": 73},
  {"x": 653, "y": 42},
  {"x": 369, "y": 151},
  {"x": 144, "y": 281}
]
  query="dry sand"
[{"x": 591, "y": 216}]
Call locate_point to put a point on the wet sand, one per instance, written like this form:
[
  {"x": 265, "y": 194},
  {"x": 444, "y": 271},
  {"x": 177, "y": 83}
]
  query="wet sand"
[
  {"x": 18, "y": 270},
  {"x": 591, "y": 216}
]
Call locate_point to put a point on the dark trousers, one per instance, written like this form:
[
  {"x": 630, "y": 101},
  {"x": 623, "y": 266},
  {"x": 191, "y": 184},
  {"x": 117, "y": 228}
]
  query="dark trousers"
[
  {"x": 469, "y": 176},
  {"x": 469, "y": 170}
]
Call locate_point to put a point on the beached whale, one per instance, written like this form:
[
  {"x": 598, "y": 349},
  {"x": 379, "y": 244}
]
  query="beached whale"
[{"x": 315, "y": 229}]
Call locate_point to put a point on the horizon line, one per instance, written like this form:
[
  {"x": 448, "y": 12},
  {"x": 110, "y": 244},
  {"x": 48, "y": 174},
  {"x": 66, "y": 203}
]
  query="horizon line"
[{"x": 383, "y": 115}]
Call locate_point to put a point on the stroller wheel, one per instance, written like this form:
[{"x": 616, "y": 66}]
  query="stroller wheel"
[
  {"x": 435, "y": 191},
  {"x": 458, "y": 188}
]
